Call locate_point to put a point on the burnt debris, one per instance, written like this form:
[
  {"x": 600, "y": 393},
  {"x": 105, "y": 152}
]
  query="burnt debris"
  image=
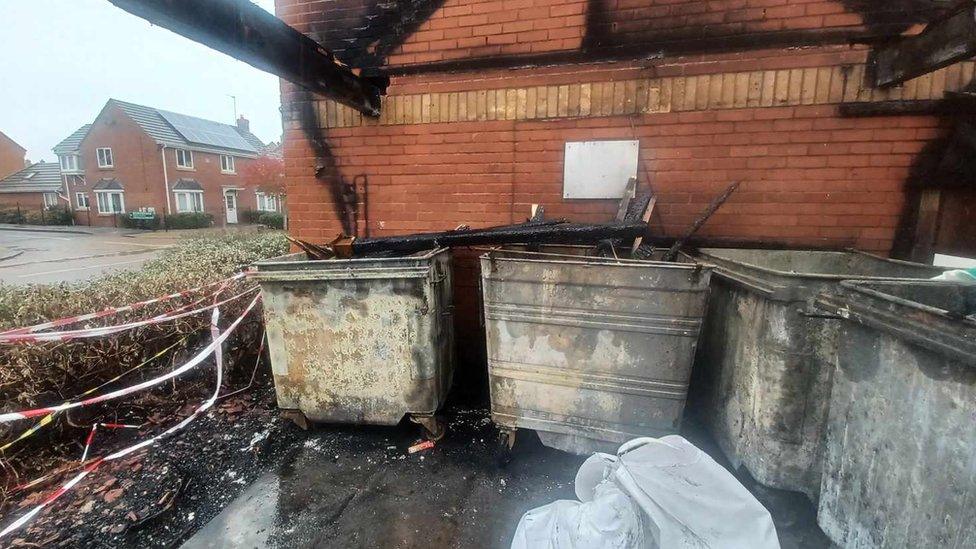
[{"x": 533, "y": 232}]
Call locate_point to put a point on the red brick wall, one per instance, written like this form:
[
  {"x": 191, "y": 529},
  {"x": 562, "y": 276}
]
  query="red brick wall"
[
  {"x": 11, "y": 156},
  {"x": 463, "y": 29},
  {"x": 810, "y": 176},
  {"x": 139, "y": 166},
  {"x": 28, "y": 202}
]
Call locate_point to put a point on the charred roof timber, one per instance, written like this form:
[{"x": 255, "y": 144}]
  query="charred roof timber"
[
  {"x": 245, "y": 31},
  {"x": 944, "y": 41}
]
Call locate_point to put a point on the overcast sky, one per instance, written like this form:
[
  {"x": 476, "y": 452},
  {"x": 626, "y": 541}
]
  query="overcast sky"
[{"x": 61, "y": 60}]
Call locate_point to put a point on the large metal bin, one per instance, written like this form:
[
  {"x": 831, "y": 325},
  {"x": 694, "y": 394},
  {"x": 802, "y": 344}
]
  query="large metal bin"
[
  {"x": 900, "y": 460},
  {"x": 589, "y": 352},
  {"x": 360, "y": 340},
  {"x": 763, "y": 373}
]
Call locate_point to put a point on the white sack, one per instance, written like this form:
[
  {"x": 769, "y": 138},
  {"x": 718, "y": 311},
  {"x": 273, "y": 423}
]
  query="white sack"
[{"x": 654, "y": 493}]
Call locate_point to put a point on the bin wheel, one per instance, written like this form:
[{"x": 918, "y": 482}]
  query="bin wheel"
[
  {"x": 434, "y": 426},
  {"x": 506, "y": 441},
  {"x": 297, "y": 418}
]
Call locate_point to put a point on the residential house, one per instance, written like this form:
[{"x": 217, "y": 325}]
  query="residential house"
[
  {"x": 33, "y": 188},
  {"x": 138, "y": 158},
  {"x": 11, "y": 156}
]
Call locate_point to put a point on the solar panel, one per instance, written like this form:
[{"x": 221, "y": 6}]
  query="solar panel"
[{"x": 205, "y": 132}]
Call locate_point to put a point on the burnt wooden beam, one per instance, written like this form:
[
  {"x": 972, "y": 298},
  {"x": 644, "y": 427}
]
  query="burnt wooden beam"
[
  {"x": 525, "y": 233},
  {"x": 246, "y": 32},
  {"x": 944, "y": 41}
]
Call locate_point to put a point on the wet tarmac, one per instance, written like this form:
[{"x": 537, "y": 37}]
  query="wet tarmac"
[{"x": 358, "y": 487}]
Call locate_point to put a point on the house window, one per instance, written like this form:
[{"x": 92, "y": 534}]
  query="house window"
[
  {"x": 81, "y": 199},
  {"x": 227, "y": 164},
  {"x": 267, "y": 202},
  {"x": 189, "y": 201},
  {"x": 105, "y": 159},
  {"x": 50, "y": 199},
  {"x": 184, "y": 159},
  {"x": 69, "y": 162},
  {"x": 110, "y": 202}
]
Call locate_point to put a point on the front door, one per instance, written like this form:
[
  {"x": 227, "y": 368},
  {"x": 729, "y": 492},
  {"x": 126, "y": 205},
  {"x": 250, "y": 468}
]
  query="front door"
[{"x": 230, "y": 199}]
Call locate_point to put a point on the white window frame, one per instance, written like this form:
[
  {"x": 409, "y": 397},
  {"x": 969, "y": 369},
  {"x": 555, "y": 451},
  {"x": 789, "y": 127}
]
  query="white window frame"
[
  {"x": 108, "y": 201},
  {"x": 265, "y": 199},
  {"x": 105, "y": 157},
  {"x": 50, "y": 199},
  {"x": 193, "y": 199},
  {"x": 186, "y": 163},
  {"x": 69, "y": 162},
  {"x": 230, "y": 166},
  {"x": 79, "y": 198}
]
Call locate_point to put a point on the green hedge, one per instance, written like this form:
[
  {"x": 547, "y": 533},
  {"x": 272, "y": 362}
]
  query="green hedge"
[
  {"x": 52, "y": 215},
  {"x": 125, "y": 220},
  {"x": 272, "y": 219},
  {"x": 251, "y": 216},
  {"x": 197, "y": 220}
]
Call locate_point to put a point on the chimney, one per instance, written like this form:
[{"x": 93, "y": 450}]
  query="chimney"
[{"x": 244, "y": 123}]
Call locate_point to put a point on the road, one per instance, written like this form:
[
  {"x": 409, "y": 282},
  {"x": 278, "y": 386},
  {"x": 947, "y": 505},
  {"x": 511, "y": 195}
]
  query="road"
[{"x": 48, "y": 257}]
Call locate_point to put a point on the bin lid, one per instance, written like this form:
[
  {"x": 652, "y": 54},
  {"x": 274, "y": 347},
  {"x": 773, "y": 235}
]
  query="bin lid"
[{"x": 937, "y": 315}]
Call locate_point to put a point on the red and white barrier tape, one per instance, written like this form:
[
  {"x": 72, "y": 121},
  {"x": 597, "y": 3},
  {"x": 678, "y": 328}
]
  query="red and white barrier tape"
[
  {"x": 14, "y": 416},
  {"x": 115, "y": 310},
  {"x": 48, "y": 419},
  {"x": 67, "y": 335},
  {"x": 91, "y": 434},
  {"x": 217, "y": 340}
]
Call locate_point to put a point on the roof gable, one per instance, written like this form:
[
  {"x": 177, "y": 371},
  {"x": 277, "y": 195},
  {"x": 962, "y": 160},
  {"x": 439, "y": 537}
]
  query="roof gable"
[
  {"x": 5, "y": 138},
  {"x": 72, "y": 143}
]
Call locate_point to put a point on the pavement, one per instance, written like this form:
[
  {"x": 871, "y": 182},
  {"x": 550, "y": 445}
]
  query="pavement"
[
  {"x": 44, "y": 255},
  {"x": 347, "y": 486}
]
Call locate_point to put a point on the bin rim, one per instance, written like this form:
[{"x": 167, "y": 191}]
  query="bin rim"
[
  {"x": 276, "y": 261},
  {"x": 568, "y": 259},
  {"x": 815, "y": 276},
  {"x": 860, "y": 286}
]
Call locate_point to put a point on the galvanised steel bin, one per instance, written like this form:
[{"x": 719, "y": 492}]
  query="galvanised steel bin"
[
  {"x": 762, "y": 376},
  {"x": 900, "y": 461},
  {"x": 587, "y": 351},
  {"x": 360, "y": 340}
]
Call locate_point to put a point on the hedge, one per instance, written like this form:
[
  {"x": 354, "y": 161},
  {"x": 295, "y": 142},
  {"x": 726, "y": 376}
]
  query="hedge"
[
  {"x": 45, "y": 373},
  {"x": 272, "y": 219},
  {"x": 52, "y": 215}
]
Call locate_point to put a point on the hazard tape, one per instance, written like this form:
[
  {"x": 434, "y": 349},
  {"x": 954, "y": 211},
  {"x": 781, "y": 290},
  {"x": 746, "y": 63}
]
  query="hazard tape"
[
  {"x": 67, "y": 335},
  {"x": 217, "y": 340},
  {"x": 46, "y": 420},
  {"x": 61, "y": 322},
  {"x": 25, "y": 414},
  {"x": 91, "y": 434}
]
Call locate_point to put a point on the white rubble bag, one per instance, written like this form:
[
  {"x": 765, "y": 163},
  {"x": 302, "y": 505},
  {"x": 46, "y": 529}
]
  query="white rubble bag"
[{"x": 656, "y": 493}]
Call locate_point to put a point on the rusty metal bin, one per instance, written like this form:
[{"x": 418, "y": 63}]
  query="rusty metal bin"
[
  {"x": 360, "y": 340},
  {"x": 762, "y": 376},
  {"x": 900, "y": 460},
  {"x": 587, "y": 351}
]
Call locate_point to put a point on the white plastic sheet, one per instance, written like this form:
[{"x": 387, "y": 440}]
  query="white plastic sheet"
[{"x": 654, "y": 493}]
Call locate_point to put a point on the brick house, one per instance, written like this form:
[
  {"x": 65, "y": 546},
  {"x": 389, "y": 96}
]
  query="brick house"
[
  {"x": 133, "y": 157},
  {"x": 11, "y": 156},
  {"x": 32, "y": 189}
]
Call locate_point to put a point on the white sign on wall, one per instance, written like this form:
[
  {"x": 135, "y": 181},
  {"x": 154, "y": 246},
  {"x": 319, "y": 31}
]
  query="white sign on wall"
[{"x": 598, "y": 169}]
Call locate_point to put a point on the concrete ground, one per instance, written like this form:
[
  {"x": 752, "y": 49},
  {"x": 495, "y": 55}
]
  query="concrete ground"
[
  {"x": 346, "y": 486},
  {"x": 70, "y": 254}
]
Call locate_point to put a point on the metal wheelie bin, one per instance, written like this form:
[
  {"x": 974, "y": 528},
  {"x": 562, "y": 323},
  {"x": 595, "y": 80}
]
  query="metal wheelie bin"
[
  {"x": 587, "y": 351},
  {"x": 900, "y": 439},
  {"x": 763, "y": 373},
  {"x": 360, "y": 340}
]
